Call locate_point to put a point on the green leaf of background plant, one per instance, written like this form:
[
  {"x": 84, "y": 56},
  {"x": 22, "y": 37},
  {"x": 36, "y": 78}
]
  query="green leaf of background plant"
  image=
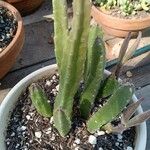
[{"x": 113, "y": 107}]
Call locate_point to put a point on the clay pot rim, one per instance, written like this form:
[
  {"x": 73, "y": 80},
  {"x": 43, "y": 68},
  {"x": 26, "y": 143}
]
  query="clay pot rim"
[
  {"x": 119, "y": 23},
  {"x": 121, "y": 19},
  {"x": 18, "y": 17}
]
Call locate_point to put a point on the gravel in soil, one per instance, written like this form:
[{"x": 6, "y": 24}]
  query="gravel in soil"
[
  {"x": 27, "y": 130},
  {"x": 8, "y": 27}
]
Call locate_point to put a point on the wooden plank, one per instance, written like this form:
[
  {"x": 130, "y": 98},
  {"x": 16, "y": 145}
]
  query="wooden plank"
[
  {"x": 145, "y": 93},
  {"x": 37, "y": 16},
  {"x": 36, "y": 47},
  {"x": 140, "y": 76}
]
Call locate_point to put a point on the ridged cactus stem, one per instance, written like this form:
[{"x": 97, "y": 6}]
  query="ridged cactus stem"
[
  {"x": 113, "y": 107},
  {"x": 72, "y": 67},
  {"x": 40, "y": 100},
  {"x": 94, "y": 71},
  {"x": 60, "y": 28}
]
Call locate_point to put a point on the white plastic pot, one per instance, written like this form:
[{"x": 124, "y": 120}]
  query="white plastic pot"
[{"x": 10, "y": 100}]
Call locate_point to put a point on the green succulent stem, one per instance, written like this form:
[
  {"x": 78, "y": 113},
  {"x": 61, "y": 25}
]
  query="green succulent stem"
[
  {"x": 109, "y": 85},
  {"x": 72, "y": 69},
  {"x": 94, "y": 71},
  {"x": 113, "y": 107},
  {"x": 40, "y": 100},
  {"x": 80, "y": 55},
  {"x": 60, "y": 28}
]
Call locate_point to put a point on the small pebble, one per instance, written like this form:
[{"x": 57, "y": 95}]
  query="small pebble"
[
  {"x": 92, "y": 140},
  {"x": 129, "y": 148},
  {"x": 27, "y": 144},
  {"x": 17, "y": 145},
  {"x": 53, "y": 90},
  {"x": 74, "y": 144},
  {"x": 99, "y": 133},
  {"x": 57, "y": 74},
  {"x": 31, "y": 113},
  {"x": 23, "y": 128},
  {"x": 38, "y": 134},
  {"x": 76, "y": 148},
  {"x": 28, "y": 117},
  {"x": 53, "y": 137},
  {"x": 77, "y": 141},
  {"x": 57, "y": 87},
  {"x": 117, "y": 144},
  {"x": 119, "y": 136},
  {"x": 107, "y": 131},
  {"x": 100, "y": 148},
  {"x": 129, "y": 74},
  {"x": 54, "y": 77},
  {"x": 49, "y": 130},
  {"x": 48, "y": 83},
  {"x": 30, "y": 141},
  {"x": 55, "y": 93},
  {"x": 13, "y": 134},
  {"x": 100, "y": 105},
  {"x": 51, "y": 120}
]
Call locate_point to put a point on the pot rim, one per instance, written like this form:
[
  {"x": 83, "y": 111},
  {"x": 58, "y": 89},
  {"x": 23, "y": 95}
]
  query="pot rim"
[
  {"x": 18, "y": 17},
  {"x": 141, "y": 137},
  {"x": 120, "y": 23},
  {"x": 126, "y": 20}
]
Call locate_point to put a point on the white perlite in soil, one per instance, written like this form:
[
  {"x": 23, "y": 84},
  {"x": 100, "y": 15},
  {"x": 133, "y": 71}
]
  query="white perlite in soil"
[
  {"x": 36, "y": 132},
  {"x": 8, "y": 27}
]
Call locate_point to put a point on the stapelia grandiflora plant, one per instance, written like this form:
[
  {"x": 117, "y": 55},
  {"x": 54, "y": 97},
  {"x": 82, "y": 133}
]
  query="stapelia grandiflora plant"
[{"x": 80, "y": 55}]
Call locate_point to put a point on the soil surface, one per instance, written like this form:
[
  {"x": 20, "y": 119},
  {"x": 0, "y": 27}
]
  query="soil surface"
[
  {"x": 8, "y": 27},
  {"x": 27, "y": 130},
  {"x": 116, "y": 12}
]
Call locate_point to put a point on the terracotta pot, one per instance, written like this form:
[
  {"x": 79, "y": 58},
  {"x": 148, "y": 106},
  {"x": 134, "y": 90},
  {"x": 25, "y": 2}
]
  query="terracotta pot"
[
  {"x": 26, "y": 7},
  {"x": 9, "y": 54},
  {"x": 11, "y": 99},
  {"x": 117, "y": 26}
]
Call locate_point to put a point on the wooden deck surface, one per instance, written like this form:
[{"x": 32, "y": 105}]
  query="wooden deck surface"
[{"x": 38, "y": 52}]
